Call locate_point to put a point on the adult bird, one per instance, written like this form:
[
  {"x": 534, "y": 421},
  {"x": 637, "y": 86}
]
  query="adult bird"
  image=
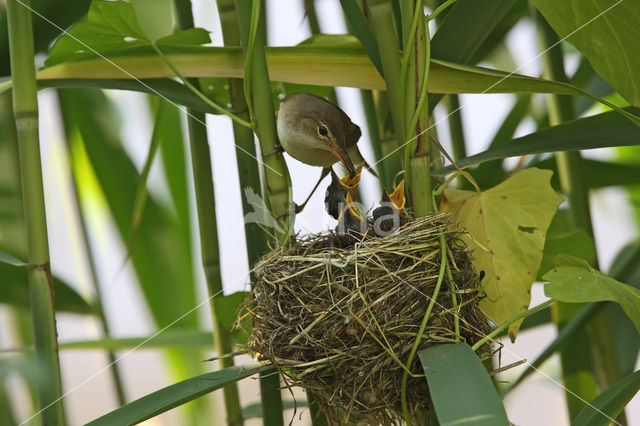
[{"x": 318, "y": 133}]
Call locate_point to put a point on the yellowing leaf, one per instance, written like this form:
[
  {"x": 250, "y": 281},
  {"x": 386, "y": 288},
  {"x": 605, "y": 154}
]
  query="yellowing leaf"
[{"x": 506, "y": 228}]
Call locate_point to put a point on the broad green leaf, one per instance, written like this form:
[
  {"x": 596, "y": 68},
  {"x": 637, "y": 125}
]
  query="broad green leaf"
[
  {"x": 506, "y": 228},
  {"x": 168, "y": 338},
  {"x": 109, "y": 26},
  {"x": 461, "y": 391},
  {"x": 15, "y": 291},
  {"x": 626, "y": 267},
  {"x": 580, "y": 284},
  {"x": 562, "y": 238},
  {"x": 597, "y": 174},
  {"x": 226, "y": 308},
  {"x": 63, "y": 13},
  {"x": 188, "y": 37},
  {"x": 155, "y": 17},
  {"x": 161, "y": 258},
  {"x": 175, "y": 395},
  {"x": 598, "y": 131},
  {"x": 466, "y": 27},
  {"x": 170, "y": 90},
  {"x": 604, "y": 31},
  {"x": 496, "y": 39},
  {"x": 173, "y": 152},
  {"x": 463, "y": 31},
  {"x": 605, "y": 407},
  {"x": 362, "y": 30},
  {"x": 329, "y": 65},
  {"x": 112, "y": 26}
]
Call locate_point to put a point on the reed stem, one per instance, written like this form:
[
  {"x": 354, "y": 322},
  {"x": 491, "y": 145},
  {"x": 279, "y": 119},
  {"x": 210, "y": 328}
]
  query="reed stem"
[
  {"x": 575, "y": 356},
  {"x": 249, "y": 173},
  {"x": 381, "y": 18},
  {"x": 209, "y": 246},
  {"x": 25, "y": 107},
  {"x": 419, "y": 151},
  {"x": 260, "y": 103}
]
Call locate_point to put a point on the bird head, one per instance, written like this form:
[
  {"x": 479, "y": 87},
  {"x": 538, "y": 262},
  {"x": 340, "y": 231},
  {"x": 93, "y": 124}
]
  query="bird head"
[
  {"x": 332, "y": 135},
  {"x": 308, "y": 123}
]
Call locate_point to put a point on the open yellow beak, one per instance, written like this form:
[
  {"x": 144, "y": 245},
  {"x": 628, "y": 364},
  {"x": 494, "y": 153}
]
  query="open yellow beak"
[
  {"x": 397, "y": 197},
  {"x": 350, "y": 183},
  {"x": 353, "y": 210}
]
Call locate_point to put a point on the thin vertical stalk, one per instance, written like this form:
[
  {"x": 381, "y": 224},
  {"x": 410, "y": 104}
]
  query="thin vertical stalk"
[
  {"x": 25, "y": 107},
  {"x": 276, "y": 176},
  {"x": 208, "y": 227},
  {"x": 97, "y": 298},
  {"x": 390, "y": 158},
  {"x": 420, "y": 153},
  {"x": 258, "y": 96},
  {"x": 248, "y": 166},
  {"x": 456, "y": 129},
  {"x": 205, "y": 201},
  {"x": 381, "y": 18},
  {"x": 374, "y": 135},
  {"x": 576, "y": 362},
  {"x": 249, "y": 173}
]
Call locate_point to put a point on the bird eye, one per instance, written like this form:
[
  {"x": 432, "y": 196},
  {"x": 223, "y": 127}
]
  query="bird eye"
[{"x": 323, "y": 130}]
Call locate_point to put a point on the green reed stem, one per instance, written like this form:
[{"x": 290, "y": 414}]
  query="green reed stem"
[
  {"x": 249, "y": 174},
  {"x": 260, "y": 103},
  {"x": 419, "y": 152},
  {"x": 209, "y": 245},
  {"x": 577, "y": 363},
  {"x": 381, "y": 18},
  {"x": 25, "y": 107}
]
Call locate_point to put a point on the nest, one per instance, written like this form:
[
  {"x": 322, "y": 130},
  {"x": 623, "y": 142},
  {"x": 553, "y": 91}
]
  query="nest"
[{"x": 342, "y": 322}]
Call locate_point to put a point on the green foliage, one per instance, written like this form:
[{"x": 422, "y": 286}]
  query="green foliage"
[
  {"x": 112, "y": 26},
  {"x": 562, "y": 238},
  {"x": 227, "y": 308},
  {"x": 178, "y": 338},
  {"x": 506, "y": 228},
  {"x": 610, "y": 403},
  {"x": 174, "y": 395},
  {"x": 15, "y": 291},
  {"x": 511, "y": 231},
  {"x": 606, "y": 33},
  {"x": 597, "y": 131},
  {"x": 574, "y": 281},
  {"x": 461, "y": 391}
]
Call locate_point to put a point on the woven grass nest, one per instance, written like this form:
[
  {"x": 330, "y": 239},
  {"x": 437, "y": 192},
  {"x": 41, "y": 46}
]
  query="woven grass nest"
[{"x": 341, "y": 322}]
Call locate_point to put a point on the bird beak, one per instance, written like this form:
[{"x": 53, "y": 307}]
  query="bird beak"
[
  {"x": 397, "y": 196},
  {"x": 341, "y": 153},
  {"x": 350, "y": 183},
  {"x": 352, "y": 209}
]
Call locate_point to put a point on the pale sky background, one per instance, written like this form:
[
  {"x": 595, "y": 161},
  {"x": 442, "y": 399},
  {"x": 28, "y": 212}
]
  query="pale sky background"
[{"x": 539, "y": 400}]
